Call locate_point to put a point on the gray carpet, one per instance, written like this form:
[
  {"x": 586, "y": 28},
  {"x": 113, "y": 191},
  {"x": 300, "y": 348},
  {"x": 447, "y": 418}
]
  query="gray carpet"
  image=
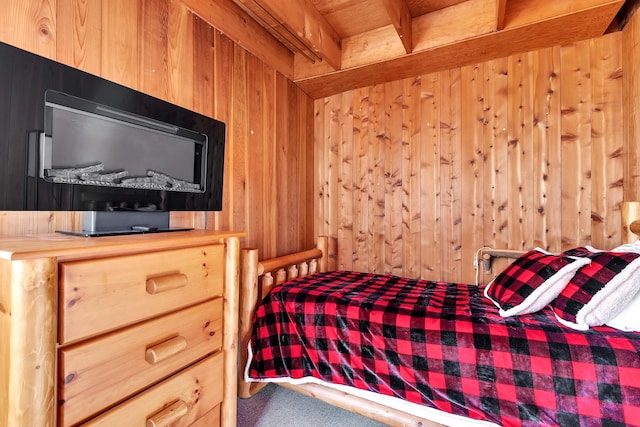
[{"x": 276, "y": 406}]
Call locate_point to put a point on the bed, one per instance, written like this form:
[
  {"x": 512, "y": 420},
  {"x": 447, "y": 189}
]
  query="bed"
[{"x": 425, "y": 353}]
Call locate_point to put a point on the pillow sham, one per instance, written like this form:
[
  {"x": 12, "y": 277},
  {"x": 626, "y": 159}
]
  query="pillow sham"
[
  {"x": 532, "y": 281},
  {"x": 628, "y": 247},
  {"x": 598, "y": 291}
]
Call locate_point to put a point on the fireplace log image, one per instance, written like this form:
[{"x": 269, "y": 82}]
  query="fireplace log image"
[
  {"x": 73, "y": 173},
  {"x": 159, "y": 181},
  {"x": 115, "y": 177},
  {"x": 95, "y": 175}
]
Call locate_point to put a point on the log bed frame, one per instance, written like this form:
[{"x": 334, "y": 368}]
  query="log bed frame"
[{"x": 258, "y": 277}]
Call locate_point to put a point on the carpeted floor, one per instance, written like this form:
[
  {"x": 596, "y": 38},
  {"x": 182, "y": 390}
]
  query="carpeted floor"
[{"x": 276, "y": 406}]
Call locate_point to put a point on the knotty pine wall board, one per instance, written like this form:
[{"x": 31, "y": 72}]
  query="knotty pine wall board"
[{"x": 517, "y": 152}]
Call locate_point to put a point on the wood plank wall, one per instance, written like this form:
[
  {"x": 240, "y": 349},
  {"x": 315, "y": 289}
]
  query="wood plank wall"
[
  {"x": 414, "y": 176},
  {"x": 631, "y": 106},
  {"x": 161, "y": 48}
]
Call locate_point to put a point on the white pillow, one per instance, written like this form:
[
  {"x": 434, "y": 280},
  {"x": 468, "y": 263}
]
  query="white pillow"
[
  {"x": 628, "y": 319},
  {"x": 628, "y": 247}
]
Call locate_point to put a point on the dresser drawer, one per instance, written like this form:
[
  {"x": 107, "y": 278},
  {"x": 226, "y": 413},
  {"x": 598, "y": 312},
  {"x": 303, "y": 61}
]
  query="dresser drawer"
[
  {"x": 103, "y": 294},
  {"x": 192, "y": 397},
  {"x": 100, "y": 372}
]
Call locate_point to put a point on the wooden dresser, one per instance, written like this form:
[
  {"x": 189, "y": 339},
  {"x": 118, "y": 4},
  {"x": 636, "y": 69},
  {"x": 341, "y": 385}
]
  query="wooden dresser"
[{"x": 119, "y": 331}]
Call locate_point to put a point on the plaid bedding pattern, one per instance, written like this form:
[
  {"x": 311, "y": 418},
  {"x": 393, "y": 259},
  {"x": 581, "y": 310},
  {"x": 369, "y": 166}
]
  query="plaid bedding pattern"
[{"x": 444, "y": 345}]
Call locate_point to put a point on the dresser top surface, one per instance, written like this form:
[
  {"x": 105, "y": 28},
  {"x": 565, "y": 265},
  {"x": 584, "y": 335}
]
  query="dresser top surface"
[{"x": 63, "y": 246}]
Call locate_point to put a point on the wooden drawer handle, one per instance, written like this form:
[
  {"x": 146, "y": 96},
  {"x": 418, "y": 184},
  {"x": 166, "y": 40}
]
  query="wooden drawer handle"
[
  {"x": 158, "y": 284},
  {"x": 168, "y": 415},
  {"x": 164, "y": 350}
]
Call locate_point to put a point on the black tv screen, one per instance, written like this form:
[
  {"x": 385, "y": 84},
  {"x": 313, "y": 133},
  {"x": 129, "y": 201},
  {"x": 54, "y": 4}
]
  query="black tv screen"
[{"x": 72, "y": 141}]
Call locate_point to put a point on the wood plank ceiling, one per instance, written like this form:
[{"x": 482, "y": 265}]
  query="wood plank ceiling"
[{"x": 338, "y": 45}]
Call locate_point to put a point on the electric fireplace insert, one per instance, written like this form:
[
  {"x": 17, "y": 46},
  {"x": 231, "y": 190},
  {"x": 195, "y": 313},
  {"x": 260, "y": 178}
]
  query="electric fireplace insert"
[{"x": 73, "y": 141}]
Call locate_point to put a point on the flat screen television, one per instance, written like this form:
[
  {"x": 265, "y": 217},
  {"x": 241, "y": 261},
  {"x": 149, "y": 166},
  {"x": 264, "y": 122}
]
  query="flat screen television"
[{"x": 72, "y": 141}]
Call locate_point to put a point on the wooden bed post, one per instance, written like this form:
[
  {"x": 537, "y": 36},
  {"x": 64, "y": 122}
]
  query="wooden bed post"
[
  {"x": 630, "y": 212},
  {"x": 252, "y": 288},
  {"x": 323, "y": 245},
  {"x": 248, "y": 302},
  {"x": 230, "y": 337}
]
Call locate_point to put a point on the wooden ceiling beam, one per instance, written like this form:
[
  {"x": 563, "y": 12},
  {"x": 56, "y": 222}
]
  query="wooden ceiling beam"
[
  {"x": 290, "y": 40},
  {"x": 527, "y": 12},
  {"x": 305, "y": 23},
  {"x": 400, "y": 15},
  {"x": 473, "y": 18},
  {"x": 518, "y": 36},
  {"x": 234, "y": 22}
]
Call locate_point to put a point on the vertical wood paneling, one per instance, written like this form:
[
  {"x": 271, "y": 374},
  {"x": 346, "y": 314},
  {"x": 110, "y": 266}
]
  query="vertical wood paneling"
[
  {"x": 553, "y": 134},
  {"x": 180, "y": 55},
  {"x": 546, "y": 147},
  {"x": 303, "y": 140},
  {"x": 472, "y": 170},
  {"x": 64, "y": 221},
  {"x": 119, "y": 48},
  {"x": 377, "y": 204},
  {"x": 257, "y": 160},
  {"x": 204, "y": 75},
  {"x": 430, "y": 176},
  {"x": 346, "y": 182},
  {"x": 598, "y": 200},
  {"x": 450, "y": 175},
  {"x": 496, "y": 149},
  {"x": 392, "y": 140},
  {"x": 520, "y": 153},
  {"x": 631, "y": 107},
  {"x": 320, "y": 203},
  {"x": 576, "y": 143},
  {"x": 614, "y": 130},
  {"x": 27, "y": 222},
  {"x": 607, "y": 140},
  {"x": 287, "y": 152},
  {"x": 411, "y": 126},
  {"x": 271, "y": 93},
  {"x": 505, "y": 159},
  {"x": 332, "y": 192},
  {"x": 154, "y": 27},
  {"x": 362, "y": 188},
  {"x": 30, "y": 25},
  {"x": 78, "y": 33},
  {"x": 239, "y": 134}
]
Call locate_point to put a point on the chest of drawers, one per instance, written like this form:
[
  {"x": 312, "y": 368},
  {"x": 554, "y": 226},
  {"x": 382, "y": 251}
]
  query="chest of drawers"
[{"x": 128, "y": 330}]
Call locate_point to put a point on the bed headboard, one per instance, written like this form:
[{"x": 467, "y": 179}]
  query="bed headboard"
[{"x": 630, "y": 225}]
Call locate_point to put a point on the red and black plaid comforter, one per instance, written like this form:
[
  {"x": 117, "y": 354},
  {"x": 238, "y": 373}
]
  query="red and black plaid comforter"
[{"x": 445, "y": 346}]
